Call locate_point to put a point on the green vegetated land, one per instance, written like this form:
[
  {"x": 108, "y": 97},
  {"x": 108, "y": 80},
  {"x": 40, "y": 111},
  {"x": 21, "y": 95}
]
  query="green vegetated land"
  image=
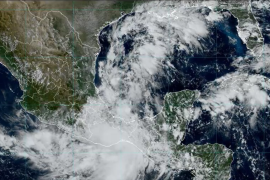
[
  {"x": 176, "y": 114},
  {"x": 208, "y": 161},
  {"x": 52, "y": 53},
  {"x": 54, "y": 63},
  {"x": 212, "y": 161},
  {"x": 246, "y": 22}
]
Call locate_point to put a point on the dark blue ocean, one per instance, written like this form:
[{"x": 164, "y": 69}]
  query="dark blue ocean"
[
  {"x": 201, "y": 131},
  {"x": 13, "y": 167},
  {"x": 251, "y": 160},
  {"x": 191, "y": 75}
]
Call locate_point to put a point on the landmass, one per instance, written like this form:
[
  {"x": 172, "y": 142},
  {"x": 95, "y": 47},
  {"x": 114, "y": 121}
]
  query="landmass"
[
  {"x": 51, "y": 49},
  {"x": 209, "y": 161},
  {"x": 248, "y": 26}
]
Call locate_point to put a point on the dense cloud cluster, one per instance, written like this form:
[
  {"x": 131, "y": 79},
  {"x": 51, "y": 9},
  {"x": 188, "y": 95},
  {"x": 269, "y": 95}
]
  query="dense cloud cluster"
[{"x": 143, "y": 56}]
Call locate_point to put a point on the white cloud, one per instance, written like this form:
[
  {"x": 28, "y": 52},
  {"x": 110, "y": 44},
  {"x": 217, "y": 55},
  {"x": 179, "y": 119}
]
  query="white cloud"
[
  {"x": 250, "y": 90},
  {"x": 112, "y": 140},
  {"x": 253, "y": 119},
  {"x": 257, "y": 97}
]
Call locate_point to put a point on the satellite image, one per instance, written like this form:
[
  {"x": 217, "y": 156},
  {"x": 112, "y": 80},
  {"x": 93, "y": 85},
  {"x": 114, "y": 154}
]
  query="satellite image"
[{"x": 135, "y": 90}]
